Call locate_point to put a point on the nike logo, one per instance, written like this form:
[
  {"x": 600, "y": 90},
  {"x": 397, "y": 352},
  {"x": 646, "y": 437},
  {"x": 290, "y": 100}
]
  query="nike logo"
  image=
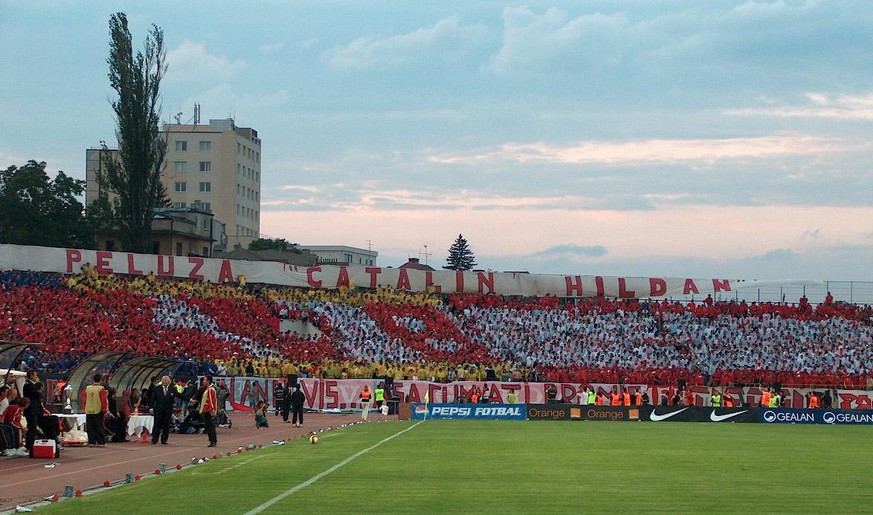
[
  {"x": 722, "y": 418},
  {"x": 657, "y": 418}
]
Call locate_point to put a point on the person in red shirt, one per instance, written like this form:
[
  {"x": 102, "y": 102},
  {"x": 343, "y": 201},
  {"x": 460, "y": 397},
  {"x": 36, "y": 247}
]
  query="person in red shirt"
[
  {"x": 689, "y": 398},
  {"x": 12, "y": 417},
  {"x": 208, "y": 409}
]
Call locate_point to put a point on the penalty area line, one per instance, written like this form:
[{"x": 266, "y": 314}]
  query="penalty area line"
[{"x": 313, "y": 479}]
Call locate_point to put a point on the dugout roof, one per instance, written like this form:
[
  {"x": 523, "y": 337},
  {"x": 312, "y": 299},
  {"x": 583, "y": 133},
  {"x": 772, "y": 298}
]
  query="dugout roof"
[
  {"x": 10, "y": 352},
  {"x": 124, "y": 372}
]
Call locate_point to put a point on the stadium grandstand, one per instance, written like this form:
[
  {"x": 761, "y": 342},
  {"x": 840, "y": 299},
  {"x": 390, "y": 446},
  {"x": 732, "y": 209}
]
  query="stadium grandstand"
[{"x": 230, "y": 329}]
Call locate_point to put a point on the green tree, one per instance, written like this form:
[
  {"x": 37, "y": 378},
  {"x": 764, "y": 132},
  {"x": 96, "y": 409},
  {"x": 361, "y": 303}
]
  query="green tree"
[
  {"x": 460, "y": 256},
  {"x": 101, "y": 217},
  {"x": 36, "y": 210},
  {"x": 267, "y": 244},
  {"x": 135, "y": 177}
]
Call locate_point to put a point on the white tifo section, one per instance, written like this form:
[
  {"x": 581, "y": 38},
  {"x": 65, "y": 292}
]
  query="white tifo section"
[{"x": 336, "y": 467}]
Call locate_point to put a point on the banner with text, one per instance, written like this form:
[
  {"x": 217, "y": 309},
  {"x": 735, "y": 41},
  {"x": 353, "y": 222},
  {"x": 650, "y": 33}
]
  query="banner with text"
[
  {"x": 70, "y": 261},
  {"x": 549, "y": 411},
  {"x": 468, "y": 411},
  {"x": 610, "y": 413},
  {"x": 345, "y": 393},
  {"x": 816, "y": 416}
]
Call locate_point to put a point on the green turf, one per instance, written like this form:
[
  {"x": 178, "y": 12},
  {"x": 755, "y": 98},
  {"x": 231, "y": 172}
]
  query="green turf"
[{"x": 527, "y": 467}]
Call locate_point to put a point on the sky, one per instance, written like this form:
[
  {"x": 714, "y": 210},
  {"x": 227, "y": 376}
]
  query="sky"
[{"x": 630, "y": 138}]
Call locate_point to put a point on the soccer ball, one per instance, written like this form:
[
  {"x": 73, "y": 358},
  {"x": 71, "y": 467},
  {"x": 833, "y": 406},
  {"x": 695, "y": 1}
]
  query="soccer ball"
[{"x": 313, "y": 439}]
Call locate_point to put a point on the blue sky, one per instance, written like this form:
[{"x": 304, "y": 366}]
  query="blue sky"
[{"x": 669, "y": 138}]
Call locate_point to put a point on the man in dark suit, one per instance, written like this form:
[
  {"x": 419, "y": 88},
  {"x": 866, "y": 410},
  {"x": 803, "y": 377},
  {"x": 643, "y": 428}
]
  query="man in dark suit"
[
  {"x": 32, "y": 412},
  {"x": 162, "y": 407}
]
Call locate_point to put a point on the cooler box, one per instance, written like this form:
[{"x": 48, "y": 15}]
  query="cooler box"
[{"x": 45, "y": 449}]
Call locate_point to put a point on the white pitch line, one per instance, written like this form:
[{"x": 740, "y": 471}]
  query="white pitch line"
[
  {"x": 238, "y": 465},
  {"x": 316, "y": 477}
]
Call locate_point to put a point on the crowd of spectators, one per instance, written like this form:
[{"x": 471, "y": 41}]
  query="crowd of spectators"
[{"x": 234, "y": 330}]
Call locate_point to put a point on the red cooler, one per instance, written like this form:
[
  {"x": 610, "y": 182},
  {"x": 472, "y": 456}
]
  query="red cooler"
[{"x": 45, "y": 449}]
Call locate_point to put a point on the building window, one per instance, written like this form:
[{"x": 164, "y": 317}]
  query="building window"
[
  {"x": 207, "y": 206},
  {"x": 178, "y": 205},
  {"x": 257, "y": 176},
  {"x": 238, "y": 169},
  {"x": 238, "y": 148},
  {"x": 205, "y": 187},
  {"x": 205, "y": 146},
  {"x": 205, "y": 166},
  {"x": 180, "y": 166},
  {"x": 181, "y": 146},
  {"x": 181, "y": 186},
  {"x": 205, "y": 224}
]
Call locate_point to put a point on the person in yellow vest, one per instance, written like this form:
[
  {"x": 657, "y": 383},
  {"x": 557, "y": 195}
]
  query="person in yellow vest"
[
  {"x": 776, "y": 401},
  {"x": 379, "y": 394},
  {"x": 715, "y": 399},
  {"x": 96, "y": 407},
  {"x": 512, "y": 397},
  {"x": 365, "y": 402}
]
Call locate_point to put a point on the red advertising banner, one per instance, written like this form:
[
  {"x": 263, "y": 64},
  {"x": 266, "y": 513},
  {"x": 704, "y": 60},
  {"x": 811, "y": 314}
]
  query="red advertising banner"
[{"x": 341, "y": 394}]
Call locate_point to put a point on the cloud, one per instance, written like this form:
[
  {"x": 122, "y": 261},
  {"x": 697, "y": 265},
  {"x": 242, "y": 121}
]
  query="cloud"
[
  {"x": 571, "y": 250},
  {"x": 271, "y": 48},
  {"x": 446, "y": 39},
  {"x": 779, "y": 255},
  {"x": 534, "y": 43},
  {"x": 191, "y": 62},
  {"x": 653, "y": 150},
  {"x": 821, "y": 105},
  {"x": 811, "y": 234}
]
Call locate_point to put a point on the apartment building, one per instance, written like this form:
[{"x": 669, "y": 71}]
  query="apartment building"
[{"x": 214, "y": 168}]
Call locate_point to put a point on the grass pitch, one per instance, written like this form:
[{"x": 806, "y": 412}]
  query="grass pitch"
[{"x": 524, "y": 467}]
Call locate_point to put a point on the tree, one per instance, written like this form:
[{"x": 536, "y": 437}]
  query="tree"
[
  {"x": 36, "y": 210},
  {"x": 135, "y": 177},
  {"x": 101, "y": 217},
  {"x": 460, "y": 256},
  {"x": 267, "y": 244}
]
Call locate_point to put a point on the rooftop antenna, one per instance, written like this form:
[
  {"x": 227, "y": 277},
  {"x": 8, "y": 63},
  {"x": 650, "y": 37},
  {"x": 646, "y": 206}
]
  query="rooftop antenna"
[
  {"x": 178, "y": 118},
  {"x": 425, "y": 254}
]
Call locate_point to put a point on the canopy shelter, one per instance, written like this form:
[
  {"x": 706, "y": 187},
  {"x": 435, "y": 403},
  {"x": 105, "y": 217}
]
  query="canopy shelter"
[
  {"x": 10, "y": 354},
  {"x": 138, "y": 372},
  {"x": 123, "y": 371}
]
